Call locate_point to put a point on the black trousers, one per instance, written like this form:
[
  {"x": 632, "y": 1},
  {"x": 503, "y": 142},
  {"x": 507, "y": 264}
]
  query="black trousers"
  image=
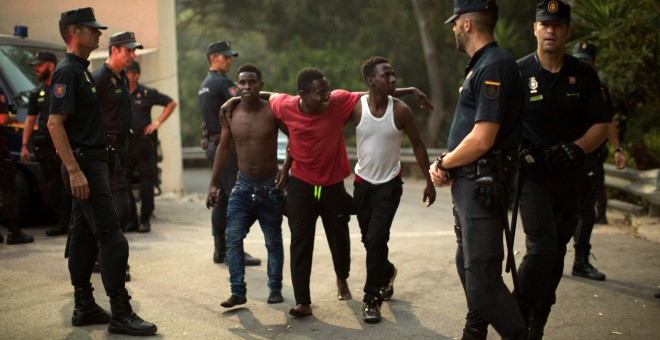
[
  {"x": 549, "y": 208},
  {"x": 118, "y": 184},
  {"x": 479, "y": 256},
  {"x": 95, "y": 231},
  {"x": 8, "y": 187},
  {"x": 304, "y": 204},
  {"x": 141, "y": 156},
  {"x": 51, "y": 165},
  {"x": 594, "y": 189},
  {"x": 376, "y": 206}
]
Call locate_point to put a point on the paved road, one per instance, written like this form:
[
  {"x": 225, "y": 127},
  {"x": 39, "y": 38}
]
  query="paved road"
[{"x": 176, "y": 285}]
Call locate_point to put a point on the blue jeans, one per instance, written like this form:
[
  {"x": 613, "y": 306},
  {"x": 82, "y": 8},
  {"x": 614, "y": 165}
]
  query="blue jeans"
[{"x": 252, "y": 200}]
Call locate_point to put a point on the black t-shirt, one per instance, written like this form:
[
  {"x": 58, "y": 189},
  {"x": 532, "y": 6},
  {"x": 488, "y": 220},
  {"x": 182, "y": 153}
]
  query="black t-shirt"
[
  {"x": 561, "y": 107},
  {"x": 215, "y": 90},
  {"x": 39, "y": 105},
  {"x": 142, "y": 99},
  {"x": 491, "y": 92},
  {"x": 114, "y": 99},
  {"x": 73, "y": 93}
]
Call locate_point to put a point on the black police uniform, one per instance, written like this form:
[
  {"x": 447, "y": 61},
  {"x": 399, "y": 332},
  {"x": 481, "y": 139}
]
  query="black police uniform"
[
  {"x": 44, "y": 150},
  {"x": 115, "y": 102},
  {"x": 214, "y": 91},
  {"x": 8, "y": 188},
  {"x": 95, "y": 229},
  {"x": 559, "y": 108},
  {"x": 594, "y": 200},
  {"x": 491, "y": 92},
  {"x": 142, "y": 149}
]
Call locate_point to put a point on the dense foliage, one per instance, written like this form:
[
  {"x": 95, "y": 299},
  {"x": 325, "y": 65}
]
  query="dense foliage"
[{"x": 283, "y": 36}]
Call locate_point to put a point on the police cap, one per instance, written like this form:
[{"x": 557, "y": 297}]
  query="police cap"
[
  {"x": 553, "y": 10},
  {"x": 223, "y": 47},
  {"x": 81, "y": 16},
  {"x": 585, "y": 51},
  {"x": 134, "y": 66},
  {"x": 467, "y": 6},
  {"x": 126, "y": 39},
  {"x": 42, "y": 57}
]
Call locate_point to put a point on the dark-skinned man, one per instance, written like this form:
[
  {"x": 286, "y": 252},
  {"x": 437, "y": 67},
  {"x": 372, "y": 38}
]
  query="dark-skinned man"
[
  {"x": 319, "y": 165},
  {"x": 257, "y": 194},
  {"x": 484, "y": 136},
  {"x": 77, "y": 129},
  {"x": 380, "y": 122},
  {"x": 214, "y": 91}
]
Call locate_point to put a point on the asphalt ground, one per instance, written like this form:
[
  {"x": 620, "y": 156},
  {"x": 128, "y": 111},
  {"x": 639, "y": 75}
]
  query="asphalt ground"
[{"x": 176, "y": 285}]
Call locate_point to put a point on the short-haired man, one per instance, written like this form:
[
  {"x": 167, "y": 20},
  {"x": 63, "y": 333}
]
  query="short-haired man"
[
  {"x": 564, "y": 118},
  {"x": 214, "y": 91},
  {"x": 596, "y": 198},
  {"x": 142, "y": 143},
  {"x": 112, "y": 86},
  {"x": 257, "y": 194},
  {"x": 485, "y": 134},
  {"x": 76, "y": 126},
  {"x": 318, "y": 163},
  {"x": 380, "y": 122},
  {"x": 39, "y": 107},
  {"x": 8, "y": 187}
]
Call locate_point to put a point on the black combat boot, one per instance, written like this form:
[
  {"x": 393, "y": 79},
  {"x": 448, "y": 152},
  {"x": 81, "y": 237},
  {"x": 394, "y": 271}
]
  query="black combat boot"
[
  {"x": 86, "y": 311},
  {"x": 125, "y": 321},
  {"x": 536, "y": 322},
  {"x": 19, "y": 237},
  {"x": 582, "y": 267},
  {"x": 2, "y": 239}
]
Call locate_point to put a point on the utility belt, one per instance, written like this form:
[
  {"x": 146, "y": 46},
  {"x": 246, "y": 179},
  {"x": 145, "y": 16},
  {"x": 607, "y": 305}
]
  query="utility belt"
[
  {"x": 493, "y": 163},
  {"x": 85, "y": 154}
]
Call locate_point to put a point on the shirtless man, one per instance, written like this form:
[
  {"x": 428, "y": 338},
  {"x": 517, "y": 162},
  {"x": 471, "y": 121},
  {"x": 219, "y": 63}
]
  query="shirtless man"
[{"x": 256, "y": 195}]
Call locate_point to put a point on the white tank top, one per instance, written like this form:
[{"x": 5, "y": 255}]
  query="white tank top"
[{"x": 378, "y": 145}]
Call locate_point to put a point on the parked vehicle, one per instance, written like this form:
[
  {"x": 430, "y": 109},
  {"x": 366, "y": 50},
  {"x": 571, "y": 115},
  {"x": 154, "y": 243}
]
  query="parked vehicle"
[{"x": 18, "y": 79}]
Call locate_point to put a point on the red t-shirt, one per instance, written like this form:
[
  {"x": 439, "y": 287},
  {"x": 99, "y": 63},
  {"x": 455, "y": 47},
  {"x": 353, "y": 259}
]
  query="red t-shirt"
[{"x": 315, "y": 141}]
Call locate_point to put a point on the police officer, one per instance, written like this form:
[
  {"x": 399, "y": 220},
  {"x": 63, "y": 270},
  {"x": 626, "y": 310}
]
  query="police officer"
[
  {"x": 78, "y": 132},
  {"x": 596, "y": 196},
  {"x": 39, "y": 107},
  {"x": 214, "y": 91},
  {"x": 112, "y": 87},
  {"x": 484, "y": 136},
  {"x": 143, "y": 141},
  {"x": 564, "y": 118},
  {"x": 8, "y": 188}
]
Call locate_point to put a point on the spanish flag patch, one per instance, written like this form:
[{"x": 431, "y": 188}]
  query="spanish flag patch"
[{"x": 491, "y": 89}]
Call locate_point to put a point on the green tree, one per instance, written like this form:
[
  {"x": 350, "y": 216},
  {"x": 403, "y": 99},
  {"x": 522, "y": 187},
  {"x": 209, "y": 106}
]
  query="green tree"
[{"x": 626, "y": 33}]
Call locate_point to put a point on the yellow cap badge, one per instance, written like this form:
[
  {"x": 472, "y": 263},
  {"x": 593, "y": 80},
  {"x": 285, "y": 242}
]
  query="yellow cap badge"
[{"x": 553, "y": 6}]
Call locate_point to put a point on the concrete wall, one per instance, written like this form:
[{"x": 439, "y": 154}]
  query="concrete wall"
[{"x": 154, "y": 24}]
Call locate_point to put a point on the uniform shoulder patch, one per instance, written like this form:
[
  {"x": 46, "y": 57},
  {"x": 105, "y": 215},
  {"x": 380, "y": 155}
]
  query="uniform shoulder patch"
[
  {"x": 233, "y": 91},
  {"x": 491, "y": 89},
  {"x": 2, "y": 98},
  {"x": 59, "y": 90}
]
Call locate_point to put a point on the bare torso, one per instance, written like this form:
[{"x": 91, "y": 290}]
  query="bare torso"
[{"x": 254, "y": 129}]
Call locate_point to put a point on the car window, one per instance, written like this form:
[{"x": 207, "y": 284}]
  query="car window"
[{"x": 16, "y": 70}]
